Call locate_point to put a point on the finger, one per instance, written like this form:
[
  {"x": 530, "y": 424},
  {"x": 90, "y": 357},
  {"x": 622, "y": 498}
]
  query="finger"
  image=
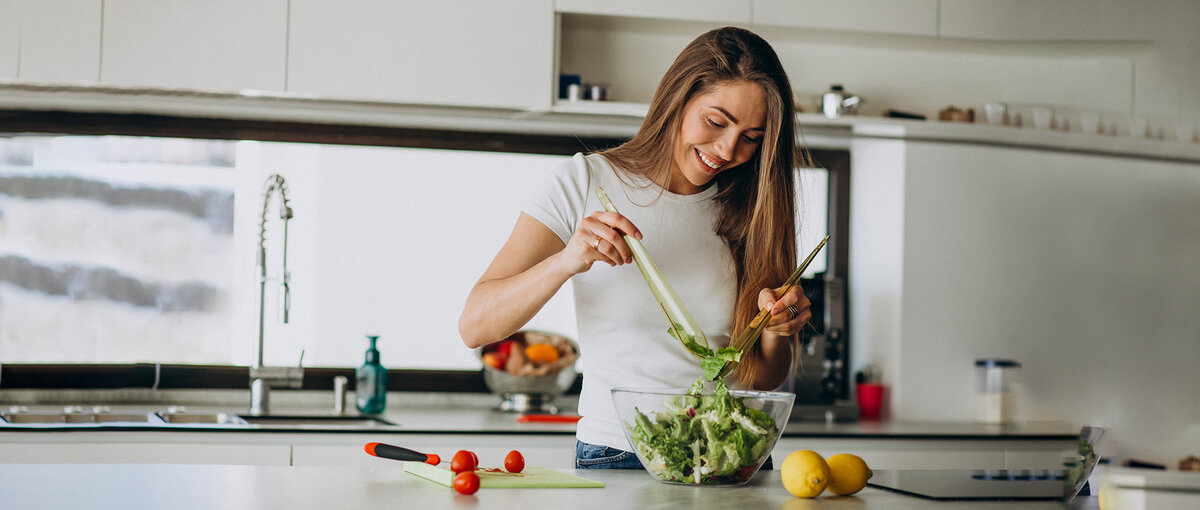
[
  {"x": 787, "y": 326},
  {"x": 766, "y": 300},
  {"x": 608, "y": 253},
  {"x": 597, "y": 227},
  {"x": 794, "y": 298},
  {"x": 620, "y": 226},
  {"x": 620, "y": 223}
]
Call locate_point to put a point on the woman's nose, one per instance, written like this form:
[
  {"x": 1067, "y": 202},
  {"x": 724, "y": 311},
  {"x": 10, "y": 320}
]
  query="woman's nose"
[{"x": 725, "y": 146}]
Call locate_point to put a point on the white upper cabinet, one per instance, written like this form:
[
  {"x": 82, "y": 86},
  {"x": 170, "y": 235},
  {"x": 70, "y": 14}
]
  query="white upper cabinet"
[
  {"x": 10, "y": 38},
  {"x": 60, "y": 41},
  {"x": 904, "y": 17},
  {"x": 732, "y": 12},
  {"x": 1060, "y": 20},
  {"x": 465, "y": 52},
  {"x": 219, "y": 45}
]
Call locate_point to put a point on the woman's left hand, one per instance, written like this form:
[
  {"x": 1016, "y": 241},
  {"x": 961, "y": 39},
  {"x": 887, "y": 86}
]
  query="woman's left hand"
[{"x": 789, "y": 313}]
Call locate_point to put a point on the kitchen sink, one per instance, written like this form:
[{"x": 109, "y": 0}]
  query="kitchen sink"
[
  {"x": 202, "y": 418},
  {"x": 319, "y": 421},
  {"x": 76, "y": 417},
  {"x": 181, "y": 418}
]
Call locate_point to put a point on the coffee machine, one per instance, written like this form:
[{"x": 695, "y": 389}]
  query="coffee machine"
[{"x": 821, "y": 376}]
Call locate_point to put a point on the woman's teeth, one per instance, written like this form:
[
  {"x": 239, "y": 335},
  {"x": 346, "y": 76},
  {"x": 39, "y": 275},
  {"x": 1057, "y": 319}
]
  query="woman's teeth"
[{"x": 707, "y": 161}]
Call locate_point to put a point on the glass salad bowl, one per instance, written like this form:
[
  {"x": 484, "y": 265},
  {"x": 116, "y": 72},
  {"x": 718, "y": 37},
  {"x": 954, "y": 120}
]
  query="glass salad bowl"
[{"x": 718, "y": 437}]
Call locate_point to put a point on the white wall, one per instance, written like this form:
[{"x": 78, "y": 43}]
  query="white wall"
[
  {"x": 389, "y": 241},
  {"x": 385, "y": 241},
  {"x": 1083, "y": 268}
]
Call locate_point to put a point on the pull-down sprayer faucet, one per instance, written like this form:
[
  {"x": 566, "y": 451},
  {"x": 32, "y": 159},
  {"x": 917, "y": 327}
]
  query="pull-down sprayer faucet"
[{"x": 263, "y": 378}]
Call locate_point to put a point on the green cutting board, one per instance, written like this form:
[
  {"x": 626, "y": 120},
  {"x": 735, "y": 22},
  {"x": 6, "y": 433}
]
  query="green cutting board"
[{"x": 529, "y": 478}]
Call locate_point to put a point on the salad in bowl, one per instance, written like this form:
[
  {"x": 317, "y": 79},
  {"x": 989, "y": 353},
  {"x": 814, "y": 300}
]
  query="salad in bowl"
[{"x": 717, "y": 437}]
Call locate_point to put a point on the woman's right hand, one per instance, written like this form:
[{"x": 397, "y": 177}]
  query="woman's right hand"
[{"x": 598, "y": 238}]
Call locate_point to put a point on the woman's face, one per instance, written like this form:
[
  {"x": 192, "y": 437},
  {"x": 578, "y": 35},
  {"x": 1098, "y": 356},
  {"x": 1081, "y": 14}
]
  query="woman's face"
[{"x": 720, "y": 130}]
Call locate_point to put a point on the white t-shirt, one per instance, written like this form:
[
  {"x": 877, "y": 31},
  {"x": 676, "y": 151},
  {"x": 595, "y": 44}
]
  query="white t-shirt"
[{"x": 623, "y": 334}]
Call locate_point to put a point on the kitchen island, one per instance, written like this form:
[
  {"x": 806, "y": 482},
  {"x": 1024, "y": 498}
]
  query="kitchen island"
[{"x": 186, "y": 486}]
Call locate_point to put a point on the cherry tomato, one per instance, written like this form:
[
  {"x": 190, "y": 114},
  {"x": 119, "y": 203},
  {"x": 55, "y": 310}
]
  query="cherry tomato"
[
  {"x": 493, "y": 360},
  {"x": 464, "y": 460},
  {"x": 504, "y": 348},
  {"x": 466, "y": 482},
  {"x": 514, "y": 462}
]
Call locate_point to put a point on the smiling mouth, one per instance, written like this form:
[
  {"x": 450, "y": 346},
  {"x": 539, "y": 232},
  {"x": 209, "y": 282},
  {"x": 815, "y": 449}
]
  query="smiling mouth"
[{"x": 713, "y": 164}]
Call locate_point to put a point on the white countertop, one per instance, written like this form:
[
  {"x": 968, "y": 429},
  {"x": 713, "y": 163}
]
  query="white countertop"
[{"x": 183, "y": 486}]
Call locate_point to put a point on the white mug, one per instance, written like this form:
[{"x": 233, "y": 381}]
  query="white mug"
[{"x": 1043, "y": 117}]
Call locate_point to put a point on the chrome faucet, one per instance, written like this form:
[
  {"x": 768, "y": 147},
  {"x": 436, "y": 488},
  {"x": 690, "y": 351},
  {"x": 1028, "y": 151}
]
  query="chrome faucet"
[{"x": 263, "y": 378}]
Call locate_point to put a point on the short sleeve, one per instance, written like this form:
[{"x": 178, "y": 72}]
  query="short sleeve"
[{"x": 560, "y": 198}]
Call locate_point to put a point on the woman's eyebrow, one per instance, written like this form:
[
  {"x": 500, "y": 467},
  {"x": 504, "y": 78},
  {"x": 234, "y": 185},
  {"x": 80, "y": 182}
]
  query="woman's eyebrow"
[{"x": 734, "y": 119}]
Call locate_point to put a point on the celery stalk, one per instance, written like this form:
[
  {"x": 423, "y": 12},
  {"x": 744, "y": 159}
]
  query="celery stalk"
[{"x": 682, "y": 326}]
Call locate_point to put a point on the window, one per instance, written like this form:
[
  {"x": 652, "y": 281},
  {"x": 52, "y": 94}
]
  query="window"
[
  {"x": 115, "y": 249},
  {"x": 130, "y": 249}
]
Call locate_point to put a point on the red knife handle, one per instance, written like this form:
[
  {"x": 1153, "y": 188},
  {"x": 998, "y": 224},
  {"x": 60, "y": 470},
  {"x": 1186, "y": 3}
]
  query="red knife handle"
[
  {"x": 550, "y": 418},
  {"x": 388, "y": 451}
]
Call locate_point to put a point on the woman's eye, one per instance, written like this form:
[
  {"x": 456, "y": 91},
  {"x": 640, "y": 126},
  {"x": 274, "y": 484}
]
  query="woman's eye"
[
  {"x": 712, "y": 123},
  {"x": 752, "y": 139}
]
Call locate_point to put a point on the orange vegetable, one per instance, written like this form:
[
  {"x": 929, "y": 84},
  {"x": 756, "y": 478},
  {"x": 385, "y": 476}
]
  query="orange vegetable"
[
  {"x": 493, "y": 360},
  {"x": 541, "y": 353}
]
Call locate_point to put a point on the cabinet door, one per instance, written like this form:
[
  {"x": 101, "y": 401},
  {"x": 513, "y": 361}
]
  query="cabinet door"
[
  {"x": 907, "y": 17},
  {"x": 936, "y": 453},
  {"x": 10, "y": 37},
  {"x": 146, "y": 453},
  {"x": 468, "y": 52},
  {"x": 1062, "y": 20},
  {"x": 220, "y": 45},
  {"x": 883, "y": 454},
  {"x": 60, "y": 41},
  {"x": 731, "y": 12}
]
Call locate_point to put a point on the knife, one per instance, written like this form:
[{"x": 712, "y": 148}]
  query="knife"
[
  {"x": 547, "y": 418},
  {"x": 388, "y": 451}
]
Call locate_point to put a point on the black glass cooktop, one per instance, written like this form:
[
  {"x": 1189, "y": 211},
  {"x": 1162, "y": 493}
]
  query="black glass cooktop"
[
  {"x": 1010, "y": 484},
  {"x": 977, "y": 484}
]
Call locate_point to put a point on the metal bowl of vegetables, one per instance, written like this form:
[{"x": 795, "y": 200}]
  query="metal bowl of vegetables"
[
  {"x": 529, "y": 369},
  {"x": 714, "y": 437}
]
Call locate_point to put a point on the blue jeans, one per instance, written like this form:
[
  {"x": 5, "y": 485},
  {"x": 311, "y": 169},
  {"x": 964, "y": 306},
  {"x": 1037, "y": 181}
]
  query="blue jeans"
[{"x": 594, "y": 456}]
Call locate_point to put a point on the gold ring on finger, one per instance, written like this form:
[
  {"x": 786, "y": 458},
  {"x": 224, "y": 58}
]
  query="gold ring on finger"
[
  {"x": 596, "y": 244},
  {"x": 795, "y": 313}
]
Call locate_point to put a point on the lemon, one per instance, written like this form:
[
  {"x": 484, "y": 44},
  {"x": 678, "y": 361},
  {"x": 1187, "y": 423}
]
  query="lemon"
[
  {"x": 848, "y": 474},
  {"x": 805, "y": 474}
]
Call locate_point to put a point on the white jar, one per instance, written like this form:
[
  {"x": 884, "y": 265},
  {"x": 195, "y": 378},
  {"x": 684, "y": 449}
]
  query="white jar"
[{"x": 997, "y": 388}]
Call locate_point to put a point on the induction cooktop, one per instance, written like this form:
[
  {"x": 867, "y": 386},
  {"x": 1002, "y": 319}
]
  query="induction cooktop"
[
  {"x": 1007, "y": 484},
  {"x": 974, "y": 484}
]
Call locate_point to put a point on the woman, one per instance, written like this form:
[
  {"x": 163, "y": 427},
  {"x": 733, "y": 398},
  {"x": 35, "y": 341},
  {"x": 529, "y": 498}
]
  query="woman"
[{"x": 707, "y": 185}]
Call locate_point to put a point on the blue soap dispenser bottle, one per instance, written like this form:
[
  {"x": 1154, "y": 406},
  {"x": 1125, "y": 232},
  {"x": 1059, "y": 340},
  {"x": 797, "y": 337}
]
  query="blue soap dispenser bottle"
[{"x": 370, "y": 388}]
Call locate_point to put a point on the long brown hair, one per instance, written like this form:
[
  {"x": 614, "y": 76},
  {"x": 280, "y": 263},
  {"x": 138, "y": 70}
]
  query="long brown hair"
[{"x": 757, "y": 217}]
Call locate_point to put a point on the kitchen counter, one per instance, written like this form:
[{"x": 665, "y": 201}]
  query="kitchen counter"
[
  {"x": 440, "y": 413},
  {"x": 181, "y": 486},
  {"x": 446, "y": 422}
]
